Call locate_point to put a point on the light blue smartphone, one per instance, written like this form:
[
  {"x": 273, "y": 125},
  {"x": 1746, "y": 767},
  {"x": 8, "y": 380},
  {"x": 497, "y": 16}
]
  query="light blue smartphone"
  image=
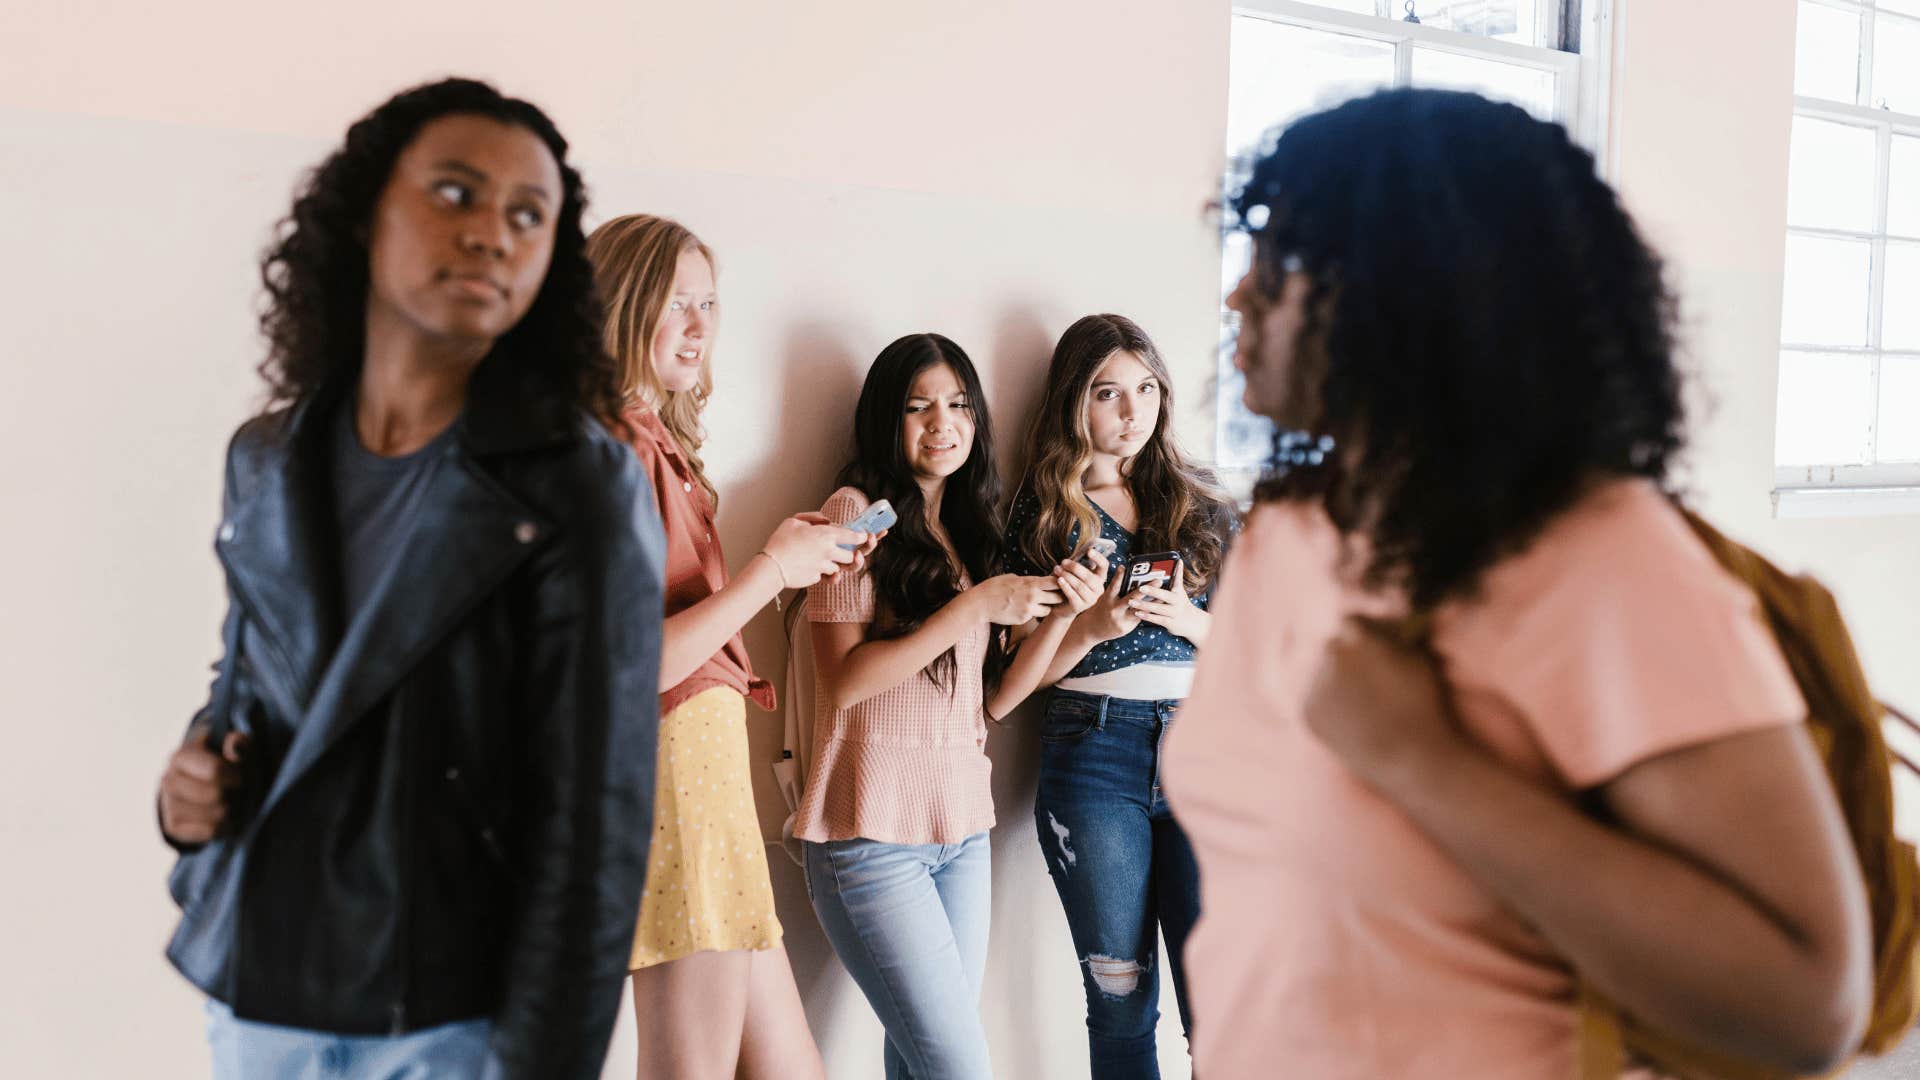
[
  {"x": 1104, "y": 546},
  {"x": 876, "y": 518}
]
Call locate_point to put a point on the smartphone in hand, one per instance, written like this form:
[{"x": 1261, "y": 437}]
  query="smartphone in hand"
[
  {"x": 1104, "y": 546},
  {"x": 1160, "y": 569},
  {"x": 876, "y": 518}
]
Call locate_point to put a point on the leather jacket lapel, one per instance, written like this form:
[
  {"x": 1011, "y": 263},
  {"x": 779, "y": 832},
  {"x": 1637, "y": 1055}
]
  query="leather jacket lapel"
[
  {"x": 279, "y": 555},
  {"x": 470, "y": 536}
]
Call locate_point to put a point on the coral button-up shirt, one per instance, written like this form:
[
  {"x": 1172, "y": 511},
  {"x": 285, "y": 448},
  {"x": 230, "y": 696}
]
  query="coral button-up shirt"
[{"x": 696, "y": 569}]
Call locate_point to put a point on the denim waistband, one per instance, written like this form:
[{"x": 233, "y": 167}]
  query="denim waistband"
[{"x": 1110, "y": 706}]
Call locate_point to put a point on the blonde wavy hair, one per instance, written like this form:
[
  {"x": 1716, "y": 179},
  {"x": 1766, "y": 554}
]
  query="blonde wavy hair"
[{"x": 633, "y": 260}]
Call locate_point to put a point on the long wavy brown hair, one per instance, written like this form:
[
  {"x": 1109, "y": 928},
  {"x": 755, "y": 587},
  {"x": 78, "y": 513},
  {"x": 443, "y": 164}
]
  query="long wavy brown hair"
[
  {"x": 633, "y": 260},
  {"x": 1181, "y": 505}
]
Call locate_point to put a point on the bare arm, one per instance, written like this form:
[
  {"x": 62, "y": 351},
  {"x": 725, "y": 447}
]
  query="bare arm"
[
  {"x": 1031, "y": 665},
  {"x": 1079, "y": 590},
  {"x": 690, "y": 638},
  {"x": 853, "y": 669},
  {"x": 1074, "y": 646},
  {"x": 802, "y": 550},
  {"x": 1727, "y": 908},
  {"x": 1110, "y": 615}
]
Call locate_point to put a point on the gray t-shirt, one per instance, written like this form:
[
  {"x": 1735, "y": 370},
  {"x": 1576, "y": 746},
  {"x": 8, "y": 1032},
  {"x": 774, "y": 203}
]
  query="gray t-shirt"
[{"x": 376, "y": 504}]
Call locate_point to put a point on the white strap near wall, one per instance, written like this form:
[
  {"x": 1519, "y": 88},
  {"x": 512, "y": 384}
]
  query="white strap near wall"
[{"x": 790, "y": 768}]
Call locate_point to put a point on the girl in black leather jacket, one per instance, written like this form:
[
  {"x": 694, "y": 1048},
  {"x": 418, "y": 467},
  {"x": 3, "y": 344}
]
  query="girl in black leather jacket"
[{"x": 413, "y": 817}]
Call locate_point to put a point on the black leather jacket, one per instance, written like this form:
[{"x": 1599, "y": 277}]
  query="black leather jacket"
[{"x": 447, "y": 808}]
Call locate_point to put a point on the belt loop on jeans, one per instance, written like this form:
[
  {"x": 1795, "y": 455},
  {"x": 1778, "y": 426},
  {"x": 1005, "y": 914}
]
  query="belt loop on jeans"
[{"x": 1100, "y": 718}]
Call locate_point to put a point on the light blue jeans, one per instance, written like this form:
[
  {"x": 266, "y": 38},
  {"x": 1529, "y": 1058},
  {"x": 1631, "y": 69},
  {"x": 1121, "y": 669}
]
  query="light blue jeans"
[
  {"x": 909, "y": 921},
  {"x": 245, "y": 1050}
]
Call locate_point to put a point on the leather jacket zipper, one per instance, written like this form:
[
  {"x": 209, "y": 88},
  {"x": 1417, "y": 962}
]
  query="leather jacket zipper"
[
  {"x": 403, "y": 934},
  {"x": 489, "y": 839}
]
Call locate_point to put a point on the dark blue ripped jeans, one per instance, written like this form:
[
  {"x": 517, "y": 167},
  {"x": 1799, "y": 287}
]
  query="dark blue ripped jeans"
[{"x": 1121, "y": 864}]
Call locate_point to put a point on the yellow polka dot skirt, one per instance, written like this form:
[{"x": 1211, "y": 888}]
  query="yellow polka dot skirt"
[{"x": 707, "y": 886}]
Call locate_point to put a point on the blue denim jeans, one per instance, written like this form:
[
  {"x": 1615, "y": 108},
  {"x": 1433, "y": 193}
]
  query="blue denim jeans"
[
  {"x": 909, "y": 921},
  {"x": 246, "y": 1050},
  {"x": 1121, "y": 865}
]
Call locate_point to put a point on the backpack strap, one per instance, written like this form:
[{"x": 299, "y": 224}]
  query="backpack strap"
[
  {"x": 790, "y": 768},
  {"x": 1911, "y": 725},
  {"x": 1603, "y": 1047}
]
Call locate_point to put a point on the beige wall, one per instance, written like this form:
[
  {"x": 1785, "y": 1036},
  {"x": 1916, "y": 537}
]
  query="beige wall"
[
  {"x": 1703, "y": 99},
  {"x": 864, "y": 169}
]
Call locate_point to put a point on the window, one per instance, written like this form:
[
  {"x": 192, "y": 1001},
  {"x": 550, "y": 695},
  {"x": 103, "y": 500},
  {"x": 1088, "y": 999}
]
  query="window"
[
  {"x": 1849, "y": 389},
  {"x": 1290, "y": 58}
]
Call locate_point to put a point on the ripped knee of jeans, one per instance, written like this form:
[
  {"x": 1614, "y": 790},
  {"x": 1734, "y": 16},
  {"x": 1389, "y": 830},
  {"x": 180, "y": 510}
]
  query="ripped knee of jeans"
[{"x": 1115, "y": 977}]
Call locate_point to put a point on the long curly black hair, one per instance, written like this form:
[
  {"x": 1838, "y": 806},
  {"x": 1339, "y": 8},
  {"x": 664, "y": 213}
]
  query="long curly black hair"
[
  {"x": 316, "y": 272},
  {"x": 912, "y": 575},
  {"x": 1486, "y": 332}
]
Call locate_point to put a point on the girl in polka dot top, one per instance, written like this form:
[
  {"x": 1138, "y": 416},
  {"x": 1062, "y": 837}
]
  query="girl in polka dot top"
[{"x": 1103, "y": 463}]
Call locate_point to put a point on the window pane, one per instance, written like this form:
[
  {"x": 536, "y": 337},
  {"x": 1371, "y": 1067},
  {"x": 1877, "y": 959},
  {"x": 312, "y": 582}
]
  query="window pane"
[
  {"x": 1900, "y": 303},
  {"x": 1824, "y": 417},
  {"x": 1529, "y": 88},
  {"x": 1358, "y": 7},
  {"x": 1830, "y": 175},
  {"x": 1826, "y": 53},
  {"x": 1280, "y": 72},
  {"x": 1243, "y": 439},
  {"x": 1517, "y": 21},
  {"x": 1903, "y": 188},
  {"x": 1896, "y": 64},
  {"x": 1899, "y": 408},
  {"x": 1825, "y": 301},
  {"x": 1911, "y": 7}
]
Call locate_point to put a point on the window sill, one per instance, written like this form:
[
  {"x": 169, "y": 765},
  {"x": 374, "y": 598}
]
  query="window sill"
[{"x": 1845, "y": 502}]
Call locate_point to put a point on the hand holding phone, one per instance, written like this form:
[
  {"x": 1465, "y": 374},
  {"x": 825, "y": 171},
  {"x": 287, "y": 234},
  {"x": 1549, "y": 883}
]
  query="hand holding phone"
[
  {"x": 1160, "y": 569},
  {"x": 874, "y": 519},
  {"x": 1168, "y": 606},
  {"x": 807, "y": 547},
  {"x": 1105, "y": 547}
]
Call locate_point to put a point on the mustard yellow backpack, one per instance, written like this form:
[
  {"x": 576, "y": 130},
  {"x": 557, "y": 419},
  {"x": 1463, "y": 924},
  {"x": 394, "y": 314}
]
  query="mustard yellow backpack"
[{"x": 1844, "y": 720}]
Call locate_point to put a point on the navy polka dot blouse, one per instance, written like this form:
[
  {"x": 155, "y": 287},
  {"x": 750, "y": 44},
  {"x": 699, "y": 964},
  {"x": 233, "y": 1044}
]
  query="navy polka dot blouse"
[{"x": 1147, "y": 642}]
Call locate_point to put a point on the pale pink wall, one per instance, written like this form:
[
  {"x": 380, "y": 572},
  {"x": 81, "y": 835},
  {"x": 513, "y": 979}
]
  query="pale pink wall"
[
  {"x": 1702, "y": 110},
  {"x": 1073, "y": 103},
  {"x": 864, "y": 168}
]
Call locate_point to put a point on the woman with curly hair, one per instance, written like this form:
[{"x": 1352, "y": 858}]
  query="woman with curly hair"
[
  {"x": 412, "y": 819},
  {"x": 712, "y": 989},
  {"x": 1102, "y": 464},
  {"x": 1482, "y": 725}
]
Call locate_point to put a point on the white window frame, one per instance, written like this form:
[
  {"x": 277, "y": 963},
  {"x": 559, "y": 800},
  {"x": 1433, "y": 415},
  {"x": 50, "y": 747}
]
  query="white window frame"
[
  {"x": 1847, "y": 490},
  {"x": 1583, "y": 86},
  {"x": 1571, "y": 68}
]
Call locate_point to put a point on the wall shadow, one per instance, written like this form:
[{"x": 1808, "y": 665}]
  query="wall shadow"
[
  {"x": 1028, "y": 926},
  {"x": 819, "y": 376}
]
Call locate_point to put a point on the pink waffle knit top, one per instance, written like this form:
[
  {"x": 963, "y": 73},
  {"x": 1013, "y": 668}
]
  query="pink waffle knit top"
[{"x": 907, "y": 765}]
